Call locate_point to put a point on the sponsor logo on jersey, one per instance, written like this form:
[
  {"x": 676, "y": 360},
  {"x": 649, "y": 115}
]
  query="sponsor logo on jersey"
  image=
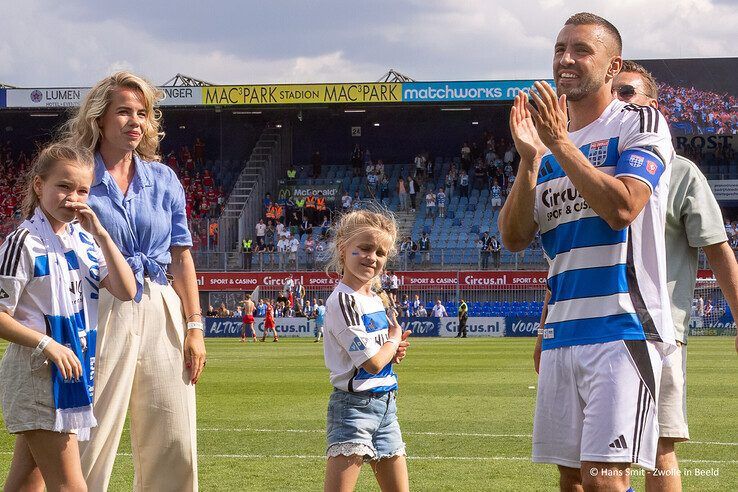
[{"x": 357, "y": 345}]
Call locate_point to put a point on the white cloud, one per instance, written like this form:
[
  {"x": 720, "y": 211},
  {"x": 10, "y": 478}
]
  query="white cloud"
[{"x": 435, "y": 39}]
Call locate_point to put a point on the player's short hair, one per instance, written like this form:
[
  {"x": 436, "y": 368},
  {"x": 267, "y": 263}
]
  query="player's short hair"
[
  {"x": 588, "y": 19},
  {"x": 649, "y": 82}
]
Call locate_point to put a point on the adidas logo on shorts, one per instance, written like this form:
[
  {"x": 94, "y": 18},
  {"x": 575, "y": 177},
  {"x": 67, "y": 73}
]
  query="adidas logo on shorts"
[
  {"x": 3, "y": 294},
  {"x": 619, "y": 443}
]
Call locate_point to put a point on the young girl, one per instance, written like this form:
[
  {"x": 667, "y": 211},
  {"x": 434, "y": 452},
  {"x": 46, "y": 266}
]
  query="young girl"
[
  {"x": 51, "y": 270},
  {"x": 361, "y": 343}
]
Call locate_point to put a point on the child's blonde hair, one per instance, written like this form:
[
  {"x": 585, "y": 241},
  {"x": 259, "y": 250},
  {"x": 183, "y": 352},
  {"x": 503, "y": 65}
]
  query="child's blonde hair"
[
  {"x": 44, "y": 163},
  {"x": 351, "y": 224}
]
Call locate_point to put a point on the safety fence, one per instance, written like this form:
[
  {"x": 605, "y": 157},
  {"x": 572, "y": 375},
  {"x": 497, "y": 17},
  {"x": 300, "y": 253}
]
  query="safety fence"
[{"x": 518, "y": 293}]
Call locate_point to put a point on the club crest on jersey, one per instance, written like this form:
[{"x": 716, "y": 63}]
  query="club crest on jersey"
[
  {"x": 652, "y": 167},
  {"x": 598, "y": 152},
  {"x": 636, "y": 161}
]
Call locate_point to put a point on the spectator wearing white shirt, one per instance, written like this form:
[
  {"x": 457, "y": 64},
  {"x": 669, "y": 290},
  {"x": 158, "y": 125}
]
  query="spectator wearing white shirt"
[
  {"x": 430, "y": 204},
  {"x": 280, "y": 228},
  {"x": 439, "y": 311},
  {"x": 419, "y": 166},
  {"x": 412, "y": 190},
  {"x": 283, "y": 246},
  {"x": 346, "y": 201},
  {"x": 509, "y": 156},
  {"x": 394, "y": 286},
  {"x": 421, "y": 312},
  {"x": 294, "y": 246},
  {"x": 260, "y": 232}
]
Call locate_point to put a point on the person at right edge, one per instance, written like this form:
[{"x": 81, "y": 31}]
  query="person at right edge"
[
  {"x": 593, "y": 178},
  {"x": 693, "y": 220}
]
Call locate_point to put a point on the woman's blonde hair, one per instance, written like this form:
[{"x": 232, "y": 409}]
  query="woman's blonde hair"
[
  {"x": 84, "y": 129},
  {"x": 45, "y": 161},
  {"x": 380, "y": 222}
]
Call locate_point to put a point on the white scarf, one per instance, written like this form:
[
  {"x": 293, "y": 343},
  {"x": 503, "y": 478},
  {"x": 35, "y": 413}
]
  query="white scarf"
[{"x": 68, "y": 324}]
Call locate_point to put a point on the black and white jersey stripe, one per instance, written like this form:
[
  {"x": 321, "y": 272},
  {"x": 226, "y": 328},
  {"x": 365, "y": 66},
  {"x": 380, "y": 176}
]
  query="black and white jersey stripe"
[
  {"x": 12, "y": 255},
  {"x": 348, "y": 309},
  {"x": 649, "y": 117}
]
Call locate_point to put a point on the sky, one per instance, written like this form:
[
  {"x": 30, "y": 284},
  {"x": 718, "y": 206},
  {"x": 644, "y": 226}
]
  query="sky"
[{"x": 46, "y": 43}]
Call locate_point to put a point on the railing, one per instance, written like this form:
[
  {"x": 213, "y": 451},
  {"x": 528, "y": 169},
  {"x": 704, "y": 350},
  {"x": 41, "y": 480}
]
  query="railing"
[{"x": 437, "y": 259}]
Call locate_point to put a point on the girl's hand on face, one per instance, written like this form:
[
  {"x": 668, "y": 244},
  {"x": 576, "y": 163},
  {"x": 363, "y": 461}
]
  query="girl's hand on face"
[{"x": 87, "y": 218}]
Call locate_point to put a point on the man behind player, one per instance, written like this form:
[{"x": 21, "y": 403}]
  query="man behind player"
[
  {"x": 693, "y": 220},
  {"x": 594, "y": 180}
]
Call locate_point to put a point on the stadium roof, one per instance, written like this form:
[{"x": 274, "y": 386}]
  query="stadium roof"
[{"x": 181, "y": 80}]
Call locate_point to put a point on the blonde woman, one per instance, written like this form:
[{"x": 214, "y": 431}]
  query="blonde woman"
[{"x": 151, "y": 350}]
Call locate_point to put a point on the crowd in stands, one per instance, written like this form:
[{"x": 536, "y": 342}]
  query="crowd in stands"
[
  {"x": 13, "y": 168},
  {"x": 203, "y": 194},
  {"x": 294, "y": 230},
  {"x": 699, "y": 111}
]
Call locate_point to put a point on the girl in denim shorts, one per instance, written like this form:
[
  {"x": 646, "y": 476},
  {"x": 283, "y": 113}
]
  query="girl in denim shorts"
[{"x": 361, "y": 344}]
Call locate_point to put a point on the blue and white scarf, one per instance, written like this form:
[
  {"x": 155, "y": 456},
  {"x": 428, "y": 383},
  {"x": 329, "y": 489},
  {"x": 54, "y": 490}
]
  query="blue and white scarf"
[{"x": 68, "y": 325}]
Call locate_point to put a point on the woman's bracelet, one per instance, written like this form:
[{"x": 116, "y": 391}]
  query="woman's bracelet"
[
  {"x": 193, "y": 315},
  {"x": 393, "y": 341},
  {"x": 42, "y": 344}
]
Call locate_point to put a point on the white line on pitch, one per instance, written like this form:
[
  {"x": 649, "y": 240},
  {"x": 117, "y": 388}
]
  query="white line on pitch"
[
  {"x": 311, "y": 431},
  {"x": 450, "y": 434},
  {"x": 410, "y": 458}
]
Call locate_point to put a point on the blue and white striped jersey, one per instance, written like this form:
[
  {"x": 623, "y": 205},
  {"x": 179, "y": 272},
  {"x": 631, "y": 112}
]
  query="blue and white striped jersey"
[
  {"x": 356, "y": 326},
  {"x": 25, "y": 283},
  {"x": 605, "y": 284}
]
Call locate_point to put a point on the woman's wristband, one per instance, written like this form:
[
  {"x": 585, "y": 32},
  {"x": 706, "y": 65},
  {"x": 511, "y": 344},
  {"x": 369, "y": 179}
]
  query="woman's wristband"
[
  {"x": 42, "y": 344},
  {"x": 195, "y": 325}
]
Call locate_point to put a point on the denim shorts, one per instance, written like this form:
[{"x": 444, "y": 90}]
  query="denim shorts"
[{"x": 364, "y": 424}]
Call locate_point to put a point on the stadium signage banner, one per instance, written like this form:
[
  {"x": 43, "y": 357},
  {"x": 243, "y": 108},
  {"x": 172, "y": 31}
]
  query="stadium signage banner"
[
  {"x": 526, "y": 326},
  {"x": 239, "y": 281},
  {"x": 486, "y": 90},
  {"x": 286, "y": 327},
  {"x": 724, "y": 189},
  {"x": 421, "y": 327},
  {"x": 704, "y": 142},
  {"x": 72, "y": 97},
  {"x": 247, "y": 281},
  {"x": 261, "y": 95},
  {"x": 475, "y": 327},
  {"x": 286, "y": 94},
  {"x": 502, "y": 279},
  {"x": 331, "y": 192}
]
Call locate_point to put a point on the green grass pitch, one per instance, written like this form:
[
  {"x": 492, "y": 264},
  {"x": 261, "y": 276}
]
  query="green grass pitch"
[{"x": 465, "y": 408}]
